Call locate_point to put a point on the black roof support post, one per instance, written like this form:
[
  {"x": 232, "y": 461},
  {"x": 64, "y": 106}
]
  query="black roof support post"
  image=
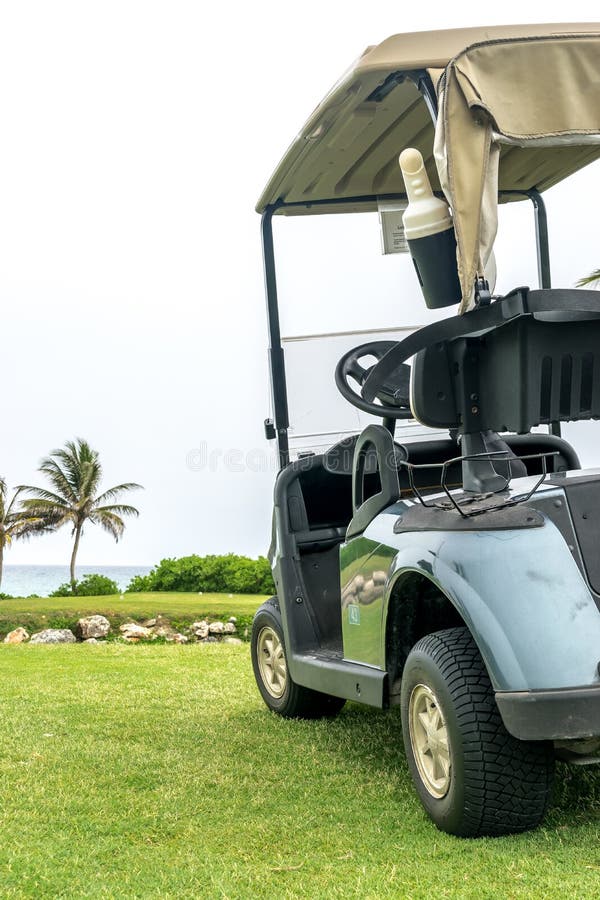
[
  {"x": 541, "y": 238},
  {"x": 276, "y": 360},
  {"x": 543, "y": 259}
]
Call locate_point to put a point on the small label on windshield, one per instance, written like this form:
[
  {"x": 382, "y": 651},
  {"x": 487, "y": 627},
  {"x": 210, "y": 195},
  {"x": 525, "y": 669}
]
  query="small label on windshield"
[{"x": 393, "y": 239}]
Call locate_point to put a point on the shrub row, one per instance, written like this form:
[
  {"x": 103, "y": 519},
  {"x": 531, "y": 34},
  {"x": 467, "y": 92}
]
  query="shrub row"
[
  {"x": 92, "y": 585},
  {"x": 211, "y": 574}
]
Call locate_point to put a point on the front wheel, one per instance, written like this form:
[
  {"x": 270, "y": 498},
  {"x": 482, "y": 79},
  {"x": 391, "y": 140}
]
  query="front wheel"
[
  {"x": 278, "y": 690},
  {"x": 472, "y": 776}
]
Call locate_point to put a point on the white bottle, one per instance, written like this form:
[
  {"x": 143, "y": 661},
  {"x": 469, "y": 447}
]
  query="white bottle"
[{"x": 430, "y": 235}]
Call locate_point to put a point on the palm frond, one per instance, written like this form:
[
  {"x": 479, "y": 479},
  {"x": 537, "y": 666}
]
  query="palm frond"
[
  {"x": 59, "y": 479},
  {"x": 41, "y": 494},
  {"x": 82, "y": 465},
  {"x": 109, "y": 521},
  {"x": 9, "y": 510},
  {"x": 592, "y": 278},
  {"x": 74, "y": 469},
  {"x": 54, "y": 513},
  {"x": 20, "y": 523},
  {"x": 26, "y": 527},
  {"x": 119, "y": 509},
  {"x": 63, "y": 463},
  {"x": 113, "y": 492},
  {"x": 90, "y": 479}
]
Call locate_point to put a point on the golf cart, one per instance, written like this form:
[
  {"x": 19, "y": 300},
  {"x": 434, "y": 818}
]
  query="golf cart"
[{"x": 457, "y": 576}]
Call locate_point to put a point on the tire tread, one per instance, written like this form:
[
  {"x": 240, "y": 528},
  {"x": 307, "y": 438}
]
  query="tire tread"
[{"x": 507, "y": 781}]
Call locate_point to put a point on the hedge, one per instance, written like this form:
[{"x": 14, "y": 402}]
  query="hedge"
[{"x": 211, "y": 574}]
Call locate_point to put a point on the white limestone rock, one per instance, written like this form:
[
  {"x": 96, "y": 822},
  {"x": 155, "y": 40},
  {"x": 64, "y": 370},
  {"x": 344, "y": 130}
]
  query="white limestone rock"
[
  {"x": 178, "y": 638},
  {"x": 18, "y": 636},
  {"x": 93, "y": 627},
  {"x": 200, "y": 630},
  {"x": 133, "y": 632},
  {"x": 53, "y": 636}
]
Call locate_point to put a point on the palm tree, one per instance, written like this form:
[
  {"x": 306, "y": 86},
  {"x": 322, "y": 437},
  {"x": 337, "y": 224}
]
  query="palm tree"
[
  {"x": 592, "y": 278},
  {"x": 74, "y": 473},
  {"x": 15, "y": 523}
]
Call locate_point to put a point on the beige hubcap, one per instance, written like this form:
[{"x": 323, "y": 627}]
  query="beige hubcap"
[
  {"x": 429, "y": 740},
  {"x": 271, "y": 662}
]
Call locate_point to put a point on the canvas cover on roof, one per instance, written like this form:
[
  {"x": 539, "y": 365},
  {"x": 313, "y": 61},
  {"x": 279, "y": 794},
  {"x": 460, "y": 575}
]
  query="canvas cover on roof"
[
  {"x": 519, "y": 110},
  {"x": 532, "y": 95}
]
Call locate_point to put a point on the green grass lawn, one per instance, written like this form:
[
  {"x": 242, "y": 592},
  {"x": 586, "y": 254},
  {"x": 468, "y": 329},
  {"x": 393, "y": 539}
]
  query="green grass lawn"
[
  {"x": 156, "y": 771},
  {"x": 36, "y": 613}
]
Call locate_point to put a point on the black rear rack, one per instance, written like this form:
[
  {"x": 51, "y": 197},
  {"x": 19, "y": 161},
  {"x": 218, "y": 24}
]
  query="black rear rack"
[{"x": 475, "y": 504}]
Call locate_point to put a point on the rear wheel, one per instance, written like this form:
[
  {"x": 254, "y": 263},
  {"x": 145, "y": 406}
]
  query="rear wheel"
[
  {"x": 278, "y": 690},
  {"x": 472, "y": 776}
]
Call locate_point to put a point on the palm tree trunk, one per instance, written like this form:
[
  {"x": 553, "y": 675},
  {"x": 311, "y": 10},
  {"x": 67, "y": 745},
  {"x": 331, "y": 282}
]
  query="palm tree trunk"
[
  {"x": 74, "y": 555},
  {"x": 1, "y": 560}
]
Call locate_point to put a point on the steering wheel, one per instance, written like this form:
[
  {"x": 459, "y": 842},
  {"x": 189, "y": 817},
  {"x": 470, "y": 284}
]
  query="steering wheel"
[{"x": 393, "y": 398}]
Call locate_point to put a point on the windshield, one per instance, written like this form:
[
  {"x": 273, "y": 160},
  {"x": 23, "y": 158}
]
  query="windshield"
[{"x": 337, "y": 291}]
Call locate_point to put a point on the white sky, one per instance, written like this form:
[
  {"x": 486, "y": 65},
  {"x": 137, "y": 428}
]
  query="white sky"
[{"x": 136, "y": 138}]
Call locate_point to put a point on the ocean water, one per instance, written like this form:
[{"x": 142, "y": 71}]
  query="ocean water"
[{"x": 20, "y": 581}]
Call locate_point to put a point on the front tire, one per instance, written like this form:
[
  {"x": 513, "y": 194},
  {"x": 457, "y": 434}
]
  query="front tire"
[
  {"x": 471, "y": 775},
  {"x": 278, "y": 690}
]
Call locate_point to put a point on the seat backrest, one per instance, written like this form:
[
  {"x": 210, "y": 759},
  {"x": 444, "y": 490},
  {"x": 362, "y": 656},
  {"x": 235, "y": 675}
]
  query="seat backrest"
[{"x": 531, "y": 371}]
